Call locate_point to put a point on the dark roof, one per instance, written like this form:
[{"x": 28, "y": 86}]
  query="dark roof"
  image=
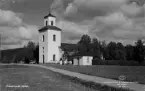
[
  {"x": 49, "y": 15},
  {"x": 83, "y": 54},
  {"x": 49, "y": 27},
  {"x": 68, "y": 47}
]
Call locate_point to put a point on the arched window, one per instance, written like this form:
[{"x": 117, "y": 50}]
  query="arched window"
[
  {"x": 54, "y": 37},
  {"x": 51, "y": 23},
  {"x": 43, "y": 59},
  {"x": 54, "y": 57},
  {"x": 43, "y": 38}
]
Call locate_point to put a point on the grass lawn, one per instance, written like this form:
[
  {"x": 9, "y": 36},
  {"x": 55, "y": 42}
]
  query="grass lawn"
[
  {"x": 132, "y": 73},
  {"x": 23, "y": 78}
]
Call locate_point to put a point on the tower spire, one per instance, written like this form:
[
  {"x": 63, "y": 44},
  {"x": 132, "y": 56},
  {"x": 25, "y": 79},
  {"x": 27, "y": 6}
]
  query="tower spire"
[{"x": 49, "y": 15}]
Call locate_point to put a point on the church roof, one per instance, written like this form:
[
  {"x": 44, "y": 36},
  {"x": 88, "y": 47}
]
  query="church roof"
[
  {"x": 49, "y": 27},
  {"x": 68, "y": 47},
  {"x": 49, "y": 15},
  {"x": 83, "y": 54}
]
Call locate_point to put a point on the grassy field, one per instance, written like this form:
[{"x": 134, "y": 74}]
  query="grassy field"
[
  {"x": 132, "y": 73},
  {"x": 23, "y": 78}
]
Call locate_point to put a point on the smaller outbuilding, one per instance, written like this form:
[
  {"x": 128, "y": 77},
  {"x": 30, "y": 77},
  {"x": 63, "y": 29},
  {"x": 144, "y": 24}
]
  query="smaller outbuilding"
[{"x": 82, "y": 58}]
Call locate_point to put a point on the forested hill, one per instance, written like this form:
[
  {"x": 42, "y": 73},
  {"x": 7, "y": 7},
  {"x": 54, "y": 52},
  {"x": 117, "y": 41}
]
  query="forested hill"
[{"x": 18, "y": 54}]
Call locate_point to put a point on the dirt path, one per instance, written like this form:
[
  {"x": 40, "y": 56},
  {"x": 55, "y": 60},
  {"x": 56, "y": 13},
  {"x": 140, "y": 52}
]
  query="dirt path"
[{"x": 35, "y": 79}]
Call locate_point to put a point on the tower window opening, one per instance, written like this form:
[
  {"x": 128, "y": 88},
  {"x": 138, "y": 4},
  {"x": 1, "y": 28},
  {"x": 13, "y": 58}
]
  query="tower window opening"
[
  {"x": 51, "y": 23},
  {"x": 46, "y": 23}
]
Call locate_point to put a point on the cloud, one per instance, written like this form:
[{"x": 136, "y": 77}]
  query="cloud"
[
  {"x": 9, "y": 18},
  {"x": 78, "y": 10},
  {"x": 14, "y": 31},
  {"x": 87, "y": 9},
  {"x": 25, "y": 32},
  {"x": 58, "y": 7},
  {"x": 71, "y": 9},
  {"x": 138, "y": 2},
  {"x": 71, "y": 31},
  {"x": 115, "y": 26},
  {"x": 133, "y": 10},
  {"x": 106, "y": 19},
  {"x": 11, "y": 41},
  {"x": 7, "y": 2},
  {"x": 130, "y": 30},
  {"x": 116, "y": 18}
]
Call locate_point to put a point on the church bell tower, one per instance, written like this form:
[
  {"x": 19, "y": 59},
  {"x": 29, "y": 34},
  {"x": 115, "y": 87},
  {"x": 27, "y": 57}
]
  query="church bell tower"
[{"x": 49, "y": 41}]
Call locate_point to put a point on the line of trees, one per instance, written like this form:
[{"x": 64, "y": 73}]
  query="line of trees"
[
  {"x": 105, "y": 51},
  {"x": 112, "y": 50}
]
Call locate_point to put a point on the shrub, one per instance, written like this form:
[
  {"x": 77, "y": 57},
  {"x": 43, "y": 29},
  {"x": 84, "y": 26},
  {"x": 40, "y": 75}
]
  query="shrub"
[
  {"x": 133, "y": 63},
  {"x": 143, "y": 63},
  {"x": 116, "y": 62}
]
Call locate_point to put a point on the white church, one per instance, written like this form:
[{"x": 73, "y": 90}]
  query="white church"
[
  {"x": 49, "y": 41},
  {"x": 50, "y": 44}
]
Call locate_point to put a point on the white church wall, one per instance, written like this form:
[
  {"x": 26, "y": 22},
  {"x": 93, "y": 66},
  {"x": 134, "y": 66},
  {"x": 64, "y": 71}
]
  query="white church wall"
[
  {"x": 53, "y": 46},
  {"x": 41, "y": 45}
]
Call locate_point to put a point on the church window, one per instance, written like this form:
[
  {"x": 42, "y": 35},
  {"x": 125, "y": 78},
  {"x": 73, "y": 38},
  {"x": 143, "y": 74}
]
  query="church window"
[
  {"x": 43, "y": 38},
  {"x": 54, "y": 37},
  {"x": 43, "y": 59},
  {"x": 43, "y": 49},
  {"x": 54, "y": 57}
]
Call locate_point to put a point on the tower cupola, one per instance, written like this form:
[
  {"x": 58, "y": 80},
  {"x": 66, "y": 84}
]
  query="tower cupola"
[{"x": 49, "y": 20}]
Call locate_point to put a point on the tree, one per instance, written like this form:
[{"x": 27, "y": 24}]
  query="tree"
[
  {"x": 129, "y": 52},
  {"x": 111, "y": 51},
  {"x": 120, "y": 52},
  {"x": 30, "y": 45},
  {"x": 115, "y": 51},
  {"x": 84, "y": 43},
  {"x": 95, "y": 48},
  {"x": 36, "y": 54},
  {"x": 35, "y": 51},
  {"x": 27, "y": 60},
  {"x": 85, "y": 39},
  {"x": 139, "y": 51}
]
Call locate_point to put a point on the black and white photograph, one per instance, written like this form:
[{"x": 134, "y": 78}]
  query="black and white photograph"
[{"x": 72, "y": 45}]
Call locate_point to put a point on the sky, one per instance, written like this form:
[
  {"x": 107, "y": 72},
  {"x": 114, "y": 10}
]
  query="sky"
[{"x": 109, "y": 20}]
